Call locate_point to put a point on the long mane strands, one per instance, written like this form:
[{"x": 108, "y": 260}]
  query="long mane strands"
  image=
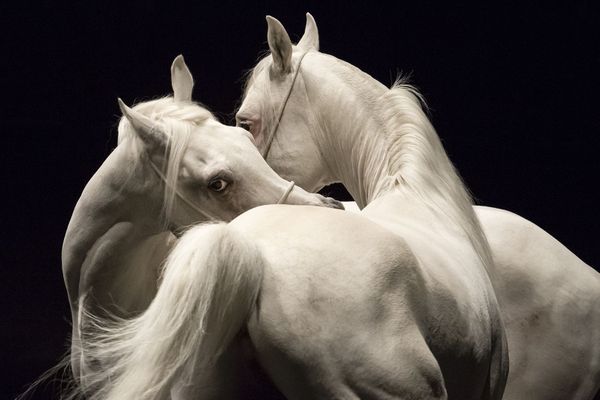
[
  {"x": 421, "y": 165},
  {"x": 177, "y": 120}
]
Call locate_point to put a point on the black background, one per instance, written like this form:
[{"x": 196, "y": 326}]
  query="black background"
[{"x": 513, "y": 91}]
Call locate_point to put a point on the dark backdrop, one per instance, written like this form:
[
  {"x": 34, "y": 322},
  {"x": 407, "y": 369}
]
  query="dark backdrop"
[{"x": 513, "y": 92}]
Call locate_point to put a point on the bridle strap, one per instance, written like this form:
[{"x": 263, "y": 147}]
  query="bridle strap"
[
  {"x": 181, "y": 195},
  {"x": 282, "y": 110},
  {"x": 191, "y": 204}
]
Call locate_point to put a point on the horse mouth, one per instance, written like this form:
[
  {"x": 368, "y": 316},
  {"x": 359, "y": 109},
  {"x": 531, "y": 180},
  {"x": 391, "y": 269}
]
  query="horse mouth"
[{"x": 332, "y": 203}]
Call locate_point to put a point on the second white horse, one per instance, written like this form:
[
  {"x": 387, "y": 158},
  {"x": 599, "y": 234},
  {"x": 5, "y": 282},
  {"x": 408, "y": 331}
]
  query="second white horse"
[{"x": 319, "y": 120}]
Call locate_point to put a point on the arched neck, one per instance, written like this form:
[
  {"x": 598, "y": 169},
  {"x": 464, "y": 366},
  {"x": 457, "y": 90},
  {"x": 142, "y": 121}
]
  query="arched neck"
[
  {"x": 122, "y": 190},
  {"x": 379, "y": 140},
  {"x": 352, "y": 137}
]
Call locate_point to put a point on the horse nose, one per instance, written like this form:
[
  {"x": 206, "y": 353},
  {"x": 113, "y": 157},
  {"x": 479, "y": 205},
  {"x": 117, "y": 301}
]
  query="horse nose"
[{"x": 332, "y": 203}]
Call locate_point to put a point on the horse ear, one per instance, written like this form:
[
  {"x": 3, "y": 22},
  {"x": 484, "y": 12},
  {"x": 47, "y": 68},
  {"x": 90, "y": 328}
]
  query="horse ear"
[
  {"x": 310, "y": 39},
  {"x": 181, "y": 80},
  {"x": 147, "y": 130},
  {"x": 280, "y": 45}
]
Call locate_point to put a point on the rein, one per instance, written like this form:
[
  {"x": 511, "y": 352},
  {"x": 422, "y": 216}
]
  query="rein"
[
  {"x": 191, "y": 204},
  {"x": 282, "y": 110},
  {"x": 287, "y": 192}
]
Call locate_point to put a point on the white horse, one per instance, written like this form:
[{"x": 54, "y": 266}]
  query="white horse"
[
  {"x": 175, "y": 165},
  {"x": 331, "y": 304},
  {"x": 319, "y": 120}
]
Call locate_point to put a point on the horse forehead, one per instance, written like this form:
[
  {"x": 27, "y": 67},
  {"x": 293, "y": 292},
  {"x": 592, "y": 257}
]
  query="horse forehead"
[
  {"x": 198, "y": 166},
  {"x": 204, "y": 148},
  {"x": 255, "y": 94},
  {"x": 205, "y": 137},
  {"x": 250, "y": 104},
  {"x": 223, "y": 145},
  {"x": 260, "y": 68}
]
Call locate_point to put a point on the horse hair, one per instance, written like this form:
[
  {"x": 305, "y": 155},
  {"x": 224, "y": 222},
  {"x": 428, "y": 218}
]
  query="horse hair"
[{"x": 190, "y": 323}]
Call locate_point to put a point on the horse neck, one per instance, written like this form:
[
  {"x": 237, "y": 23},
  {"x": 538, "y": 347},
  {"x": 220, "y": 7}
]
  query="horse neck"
[
  {"x": 113, "y": 192},
  {"x": 349, "y": 134},
  {"x": 380, "y": 141},
  {"x": 119, "y": 191}
]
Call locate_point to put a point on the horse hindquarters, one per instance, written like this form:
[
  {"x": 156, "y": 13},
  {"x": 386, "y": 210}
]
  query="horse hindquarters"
[{"x": 347, "y": 339}]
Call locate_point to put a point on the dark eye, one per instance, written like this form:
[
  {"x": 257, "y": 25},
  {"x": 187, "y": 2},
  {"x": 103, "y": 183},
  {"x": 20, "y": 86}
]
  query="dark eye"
[
  {"x": 247, "y": 125},
  {"x": 217, "y": 185}
]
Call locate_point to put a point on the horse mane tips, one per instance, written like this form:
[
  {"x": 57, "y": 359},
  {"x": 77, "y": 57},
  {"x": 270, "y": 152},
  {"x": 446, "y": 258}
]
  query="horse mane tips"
[
  {"x": 59, "y": 378},
  {"x": 403, "y": 81}
]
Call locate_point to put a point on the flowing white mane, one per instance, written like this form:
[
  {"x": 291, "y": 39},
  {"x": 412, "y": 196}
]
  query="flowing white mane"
[
  {"x": 421, "y": 166},
  {"x": 176, "y": 119}
]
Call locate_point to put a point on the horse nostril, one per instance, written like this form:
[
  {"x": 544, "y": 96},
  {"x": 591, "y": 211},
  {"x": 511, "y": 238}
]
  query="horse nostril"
[{"x": 333, "y": 203}]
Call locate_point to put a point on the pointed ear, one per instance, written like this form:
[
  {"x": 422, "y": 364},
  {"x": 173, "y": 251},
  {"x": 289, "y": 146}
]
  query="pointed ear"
[
  {"x": 148, "y": 130},
  {"x": 280, "y": 45},
  {"x": 310, "y": 39},
  {"x": 181, "y": 80}
]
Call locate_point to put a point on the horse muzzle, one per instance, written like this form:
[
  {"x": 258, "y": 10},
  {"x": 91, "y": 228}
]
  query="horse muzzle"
[{"x": 332, "y": 203}]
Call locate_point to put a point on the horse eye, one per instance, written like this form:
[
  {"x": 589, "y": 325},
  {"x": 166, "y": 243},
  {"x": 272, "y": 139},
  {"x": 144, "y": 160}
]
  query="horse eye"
[
  {"x": 217, "y": 185},
  {"x": 246, "y": 125}
]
